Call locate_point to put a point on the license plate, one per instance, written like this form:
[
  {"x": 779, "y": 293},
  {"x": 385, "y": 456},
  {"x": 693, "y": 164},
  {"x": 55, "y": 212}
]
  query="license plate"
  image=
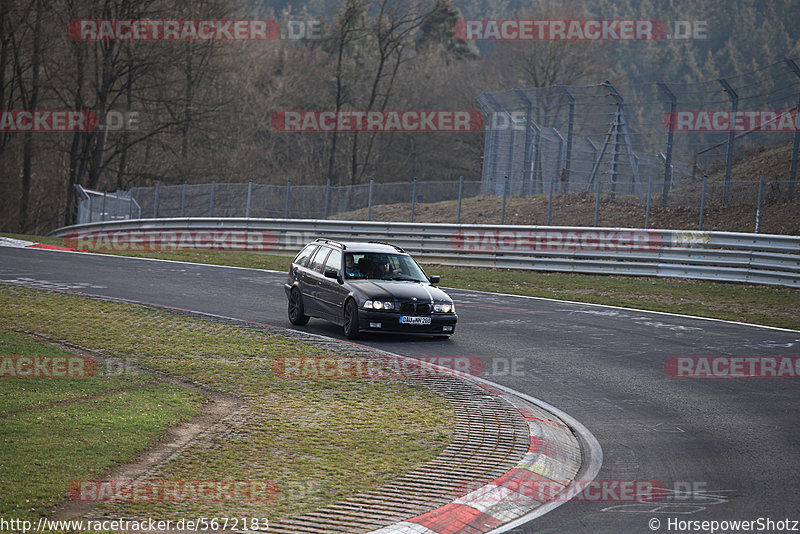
[{"x": 405, "y": 319}]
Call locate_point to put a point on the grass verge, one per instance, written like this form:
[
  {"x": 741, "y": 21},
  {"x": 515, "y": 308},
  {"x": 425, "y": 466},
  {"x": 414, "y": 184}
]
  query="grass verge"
[
  {"x": 56, "y": 430},
  {"x": 318, "y": 440}
]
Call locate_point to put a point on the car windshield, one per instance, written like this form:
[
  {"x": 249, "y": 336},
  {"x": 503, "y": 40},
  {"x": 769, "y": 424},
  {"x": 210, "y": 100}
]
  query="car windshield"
[{"x": 382, "y": 266}]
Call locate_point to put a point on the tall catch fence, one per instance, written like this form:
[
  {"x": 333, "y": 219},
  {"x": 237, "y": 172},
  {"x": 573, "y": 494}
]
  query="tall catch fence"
[{"x": 625, "y": 139}]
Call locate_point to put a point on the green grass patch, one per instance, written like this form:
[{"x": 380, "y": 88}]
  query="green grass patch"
[
  {"x": 318, "y": 440},
  {"x": 57, "y": 430}
]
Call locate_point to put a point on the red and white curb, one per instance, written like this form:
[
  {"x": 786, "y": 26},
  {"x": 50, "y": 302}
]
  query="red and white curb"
[
  {"x": 20, "y": 243},
  {"x": 553, "y": 461}
]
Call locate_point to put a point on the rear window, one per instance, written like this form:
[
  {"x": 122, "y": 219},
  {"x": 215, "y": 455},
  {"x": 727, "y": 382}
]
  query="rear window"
[
  {"x": 318, "y": 260},
  {"x": 302, "y": 258}
]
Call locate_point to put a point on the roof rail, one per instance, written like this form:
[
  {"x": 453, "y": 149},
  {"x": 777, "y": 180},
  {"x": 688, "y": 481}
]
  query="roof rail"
[
  {"x": 389, "y": 244},
  {"x": 331, "y": 242}
]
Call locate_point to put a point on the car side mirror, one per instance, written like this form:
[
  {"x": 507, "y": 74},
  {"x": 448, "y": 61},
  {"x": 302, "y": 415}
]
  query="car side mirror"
[
  {"x": 332, "y": 273},
  {"x": 434, "y": 279}
]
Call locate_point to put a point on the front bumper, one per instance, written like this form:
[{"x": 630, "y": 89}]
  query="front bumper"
[{"x": 441, "y": 323}]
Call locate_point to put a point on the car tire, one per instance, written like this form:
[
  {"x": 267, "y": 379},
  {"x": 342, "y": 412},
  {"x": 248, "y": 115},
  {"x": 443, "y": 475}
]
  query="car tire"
[
  {"x": 351, "y": 320},
  {"x": 296, "y": 309}
]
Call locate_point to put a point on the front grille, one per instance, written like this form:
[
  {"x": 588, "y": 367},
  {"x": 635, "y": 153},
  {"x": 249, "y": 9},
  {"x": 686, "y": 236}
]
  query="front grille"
[{"x": 409, "y": 308}]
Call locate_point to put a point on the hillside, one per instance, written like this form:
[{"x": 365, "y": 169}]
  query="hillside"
[{"x": 779, "y": 213}]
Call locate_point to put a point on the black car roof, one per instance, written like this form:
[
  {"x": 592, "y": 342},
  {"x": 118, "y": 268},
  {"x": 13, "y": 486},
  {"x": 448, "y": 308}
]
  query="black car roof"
[{"x": 363, "y": 246}]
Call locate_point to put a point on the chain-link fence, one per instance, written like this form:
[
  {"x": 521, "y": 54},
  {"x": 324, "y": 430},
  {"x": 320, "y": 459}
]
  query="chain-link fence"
[
  {"x": 293, "y": 201},
  {"x": 620, "y": 138},
  {"x": 94, "y": 206}
]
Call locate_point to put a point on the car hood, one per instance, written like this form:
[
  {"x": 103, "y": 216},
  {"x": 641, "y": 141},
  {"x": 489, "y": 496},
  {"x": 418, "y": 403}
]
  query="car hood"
[{"x": 399, "y": 290}]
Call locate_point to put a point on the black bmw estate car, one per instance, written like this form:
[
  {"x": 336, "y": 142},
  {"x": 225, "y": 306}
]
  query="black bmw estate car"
[{"x": 375, "y": 287}]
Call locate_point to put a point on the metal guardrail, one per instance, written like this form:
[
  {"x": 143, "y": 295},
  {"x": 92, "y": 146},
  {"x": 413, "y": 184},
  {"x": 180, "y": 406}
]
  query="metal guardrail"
[{"x": 721, "y": 256}]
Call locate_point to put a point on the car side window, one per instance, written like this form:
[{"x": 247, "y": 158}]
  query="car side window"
[
  {"x": 302, "y": 257},
  {"x": 334, "y": 261},
  {"x": 318, "y": 260}
]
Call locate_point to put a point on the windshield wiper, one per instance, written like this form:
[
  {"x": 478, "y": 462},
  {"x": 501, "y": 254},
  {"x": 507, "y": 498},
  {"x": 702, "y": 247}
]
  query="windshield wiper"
[{"x": 404, "y": 278}]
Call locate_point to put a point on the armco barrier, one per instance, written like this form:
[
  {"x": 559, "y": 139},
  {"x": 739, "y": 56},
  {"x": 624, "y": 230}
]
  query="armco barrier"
[{"x": 723, "y": 256}]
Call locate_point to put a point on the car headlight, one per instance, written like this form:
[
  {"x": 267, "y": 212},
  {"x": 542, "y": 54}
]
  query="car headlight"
[
  {"x": 379, "y": 305},
  {"x": 444, "y": 307}
]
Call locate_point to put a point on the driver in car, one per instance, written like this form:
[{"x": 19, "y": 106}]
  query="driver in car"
[{"x": 382, "y": 267}]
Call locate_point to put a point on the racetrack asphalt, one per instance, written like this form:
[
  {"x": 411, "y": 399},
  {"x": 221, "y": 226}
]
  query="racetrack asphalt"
[{"x": 724, "y": 449}]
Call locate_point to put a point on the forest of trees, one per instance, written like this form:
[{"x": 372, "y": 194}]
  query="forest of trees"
[{"x": 199, "y": 111}]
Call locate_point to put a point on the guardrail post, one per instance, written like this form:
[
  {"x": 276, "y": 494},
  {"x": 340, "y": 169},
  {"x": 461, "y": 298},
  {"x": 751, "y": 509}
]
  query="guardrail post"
[
  {"x": 249, "y": 197},
  {"x": 673, "y": 106},
  {"x": 155, "y": 202},
  {"x": 288, "y": 196},
  {"x": 460, "y": 193},
  {"x": 327, "y": 197},
  {"x": 647, "y": 213},
  {"x": 413, "y": 198},
  {"x": 796, "y": 144},
  {"x": 505, "y": 194},
  {"x": 183, "y": 200},
  {"x": 103, "y": 210},
  {"x": 731, "y": 138},
  {"x": 758, "y": 207},
  {"x": 703, "y": 201},
  {"x": 369, "y": 205},
  {"x": 550, "y": 202},
  {"x": 211, "y": 201}
]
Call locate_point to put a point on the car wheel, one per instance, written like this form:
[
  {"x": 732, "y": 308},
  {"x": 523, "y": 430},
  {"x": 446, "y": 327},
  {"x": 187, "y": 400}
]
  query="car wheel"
[
  {"x": 351, "y": 320},
  {"x": 297, "y": 314}
]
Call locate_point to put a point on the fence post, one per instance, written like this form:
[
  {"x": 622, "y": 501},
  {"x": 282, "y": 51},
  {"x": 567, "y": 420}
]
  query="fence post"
[
  {"x": 647, "y": 213},
  {"x": 596, "y": 200},
  {"x": 550, "y": 202},
  {"x": 155, "y": 203},
  {"x": 413, "y": 199},
  {"x": 249, "y": 197},
  {"x": 369, "y": 205},
  {"x": 731, "y": 138},
  {"x": 527, "y": 178},
  {"x": 505, "y": 193},
  {"x": 103, "y": 209},
  {"x": 703, "y": 200},
  {"x": 758, "y": 207},
  {"x": 288, "y": 196},
  {"x": 327, "y": 198},
  {"x": 183, "y": 200},
  {"x": 91, "y": 208},
  {"x": 211, "y": 201},
  {"x": 673, "y": 106},
  {"x": 460, "y": 193},
  {"x": 568, "y": 163},
  {"x": 796, "y": 142}
]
